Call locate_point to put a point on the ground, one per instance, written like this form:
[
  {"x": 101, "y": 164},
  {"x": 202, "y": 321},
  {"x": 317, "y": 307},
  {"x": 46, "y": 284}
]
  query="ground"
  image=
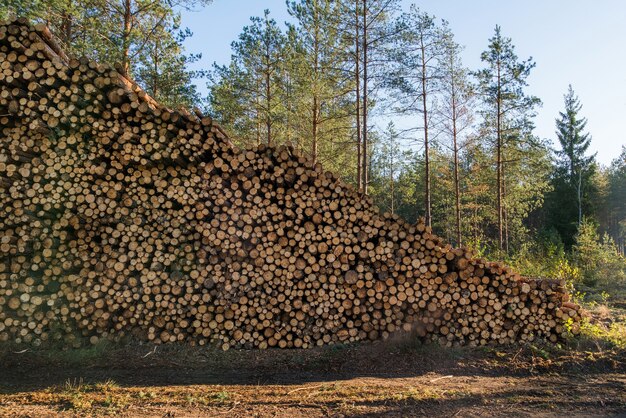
[{"x": 583, "y": 377}]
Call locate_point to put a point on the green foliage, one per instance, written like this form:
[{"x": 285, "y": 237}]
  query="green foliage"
[
  {"x": 574, "y": 142},
  {"x": 508, "y": 111},
  {"x": 247, "y": 96},
  {"x": 594, "y": 263},
  {"x": 416, "y": 61},
  {"x": 142, "y": 36},
  {"x": 575, "y": 188},
  {"x": 615, "y": 207},
  {"x": 597, "y": 257},
  {"x": 613, "y": 334},
  {"x": 163, "y": 67},
  {"x": 588, "y": 251},
  {"x": 291, "y": 88},
  {"x": 321, "y": 86},
  {"x": 388, "y": 162}
]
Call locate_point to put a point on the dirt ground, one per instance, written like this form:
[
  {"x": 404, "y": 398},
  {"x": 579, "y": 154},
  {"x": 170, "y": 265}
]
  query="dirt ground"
[{"x": 399, "y": 378}]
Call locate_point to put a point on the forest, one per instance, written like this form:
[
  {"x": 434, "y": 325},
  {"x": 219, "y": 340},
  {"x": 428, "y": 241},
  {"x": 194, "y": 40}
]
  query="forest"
[{"x": 458, "y": 148}]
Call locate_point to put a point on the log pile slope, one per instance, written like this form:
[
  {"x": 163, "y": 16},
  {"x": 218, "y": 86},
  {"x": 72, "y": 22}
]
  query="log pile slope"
[{"x": 119, "y": 216}]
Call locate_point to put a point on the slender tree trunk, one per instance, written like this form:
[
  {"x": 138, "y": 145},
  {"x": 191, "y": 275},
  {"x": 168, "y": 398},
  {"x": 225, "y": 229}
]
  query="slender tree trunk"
[
  {"x": 126, "y": 37},
  {"x": 365, "y": 106},
  {"x": 457, "y": 190},
  {"x": 391, "y": 179},
  {"x": 427, "y": 203},
  {"x": 357, "y": 79},
  {"x": 155, "y": 77},
  {"x": 316, "y": 104},
  {"x": 499, "y": 158},
  {"x": 505, "y": 218},
  {"x": 258, "y": 113},
  {"x": 580, "y": 203},
  {"x": 67, "y": 26},
  {"x": 315, "y": 131},
  {"x": 268, "y": 116}
]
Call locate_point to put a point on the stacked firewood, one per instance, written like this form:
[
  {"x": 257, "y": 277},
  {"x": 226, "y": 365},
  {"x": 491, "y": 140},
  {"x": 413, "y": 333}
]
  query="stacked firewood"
[{"x": 119, "y": 216}]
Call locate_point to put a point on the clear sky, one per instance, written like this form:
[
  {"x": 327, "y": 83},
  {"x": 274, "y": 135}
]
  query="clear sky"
[{"x": 582, "y": 42}]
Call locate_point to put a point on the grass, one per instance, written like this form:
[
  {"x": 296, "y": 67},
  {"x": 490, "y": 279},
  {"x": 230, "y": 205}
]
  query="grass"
[{"x": 612, "y": 335}]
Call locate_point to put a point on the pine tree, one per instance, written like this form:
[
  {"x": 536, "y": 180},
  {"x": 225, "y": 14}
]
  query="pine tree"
[
  {"x": 163, "y": 68},
  {"x": 507, "y": 109},
  {"x": 366, "y": 26},
  {"x": 387, "y": 164},
  {"x": 415, "y": 79},
  {"x": 323, "y": 87},
  {"x": 233, "y": 100},
  {"x": 456, "y": 116},
  {"x": 253, "y": 80},
  {"x": 124, "y": 32}
]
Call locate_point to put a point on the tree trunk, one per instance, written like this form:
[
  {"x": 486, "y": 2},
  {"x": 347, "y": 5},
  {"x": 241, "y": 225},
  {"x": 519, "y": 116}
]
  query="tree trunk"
[
  {"x": 316, "y": 104},
  {"x": 457, "y": 190},
  {"x": 126, "y": 38},
  {"x": 155, "y": 76},
  {"x": 315, "y": 132},
  {"x": 357, "y": 79},
  {"x": 258, "y": 113},
  {"x": 67, "y": 27},
  {"x": 505, "y": 219},
  {"x": 268, "y": 116},
  {"x": 580, "y": 198},
  {"x": 365, "y": 168},
  {"x": 499, "y": 157},
  {"x": 427, "y": 203},
  {"x": 391, "y": 179}
]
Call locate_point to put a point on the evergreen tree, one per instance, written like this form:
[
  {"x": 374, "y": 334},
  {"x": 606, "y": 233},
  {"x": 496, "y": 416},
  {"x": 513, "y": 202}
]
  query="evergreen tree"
[
  {"x": 574, "y": 145},
  {"x": 387, "y": 164},
  {"x": 616, "y": 201},
  {"x": 253, "y": 80},
  {"x": 418, "y": 54},
  {"x": 507, "y": 109},
  {"x": 456, "y": 117},
  {"x": 233, "y": 100},
  {"x": 574, "y": 188},
  {"x": 163, "y": 68},
  {"x": 121, "y": 31},
  {"x": 323, "y": 102},
  {"x": 367, "y": 28}
]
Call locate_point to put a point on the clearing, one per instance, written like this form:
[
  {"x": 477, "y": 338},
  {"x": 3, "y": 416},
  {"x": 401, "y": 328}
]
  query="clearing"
[{"x": 392, "y": 378}]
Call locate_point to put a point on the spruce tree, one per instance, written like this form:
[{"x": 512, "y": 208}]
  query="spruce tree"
[
  {"x": 573, "y": 186},
  {"x": 574, "y": 145},
  {"x": 616, "y": 201}
]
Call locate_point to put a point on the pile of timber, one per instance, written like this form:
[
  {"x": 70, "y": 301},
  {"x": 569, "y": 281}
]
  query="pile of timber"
[{"x": 119, "y": 216}]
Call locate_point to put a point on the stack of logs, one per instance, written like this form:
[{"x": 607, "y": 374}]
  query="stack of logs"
[{"x": 119, "y": 216}]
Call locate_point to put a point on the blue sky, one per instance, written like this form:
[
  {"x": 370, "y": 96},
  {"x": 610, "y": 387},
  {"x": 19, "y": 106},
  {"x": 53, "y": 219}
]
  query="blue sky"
[{"x": 572, "y": 41}]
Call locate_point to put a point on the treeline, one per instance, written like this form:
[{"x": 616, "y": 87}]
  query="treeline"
[
  {"x": 463, "y": 156},
  {"x": 462, "y": 152}
]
